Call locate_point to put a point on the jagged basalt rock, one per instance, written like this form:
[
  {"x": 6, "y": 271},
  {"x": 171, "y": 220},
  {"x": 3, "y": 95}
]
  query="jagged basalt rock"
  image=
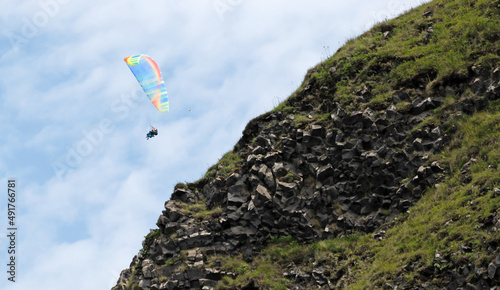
[
  {"x": 317, "y": 171},
  {"x": 357, "y": 163}
]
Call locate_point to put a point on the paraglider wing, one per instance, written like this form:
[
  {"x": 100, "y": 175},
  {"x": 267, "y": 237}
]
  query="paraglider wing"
[{"x": 148, "y": 74}]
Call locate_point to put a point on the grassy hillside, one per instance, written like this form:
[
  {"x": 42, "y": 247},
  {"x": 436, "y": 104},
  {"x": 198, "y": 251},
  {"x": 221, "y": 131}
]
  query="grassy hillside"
[
  {"x": 437, "y": 49},
  {"x": 422, "y": 51},
  {"x": 430, "y": 74}
]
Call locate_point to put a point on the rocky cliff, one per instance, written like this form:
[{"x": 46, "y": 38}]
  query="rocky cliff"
[{"x": 312, "y": 186}]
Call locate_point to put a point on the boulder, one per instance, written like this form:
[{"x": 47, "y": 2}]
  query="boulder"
[
  {"x": 324, "y": 172},
  {"x": 478, "y": 86},
  {"x": 261, "y": 195},
  {"x": 232, "y": 179},
  {"x": 417, "y": 144},
  {"x": 237, "y": 194},
  {"x": 183, "y": 195},
  {"x": 172, "y": 212},
  {"x": 353, "y": 119},
  {"x": 494, "y": 269},
  {"x": 318, "y": 131},
  {"x": 259, "y": 150},
  {"x": 330, "y": 138},
  {"x": 347, "y": 154},
  {"x": 263, "y": 141},
  {"x": 271, "y": 158},
  {"x": 310, "y": 141},
  {"x": 288, "y": 142},
  {"x": 279, "y": 170},
  {"x": 288, "y": 189},
  {"x": 420, "y": 105}
]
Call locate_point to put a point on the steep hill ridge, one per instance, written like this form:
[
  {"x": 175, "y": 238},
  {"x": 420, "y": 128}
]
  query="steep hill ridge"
[{"x": 317, "y": 192}]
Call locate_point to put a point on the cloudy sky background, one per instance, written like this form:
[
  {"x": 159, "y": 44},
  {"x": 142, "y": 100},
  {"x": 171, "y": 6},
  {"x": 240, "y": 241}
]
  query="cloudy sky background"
[{"x": 73, "y": 118}]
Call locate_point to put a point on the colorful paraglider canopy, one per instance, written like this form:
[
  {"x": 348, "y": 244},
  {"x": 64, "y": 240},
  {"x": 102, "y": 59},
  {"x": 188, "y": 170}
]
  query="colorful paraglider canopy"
[{"x": 148, "y": 74}]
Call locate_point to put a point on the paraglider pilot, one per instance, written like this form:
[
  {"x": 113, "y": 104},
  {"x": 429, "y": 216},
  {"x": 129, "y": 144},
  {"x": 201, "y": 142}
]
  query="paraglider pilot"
[{"x": 152, "y": 133}]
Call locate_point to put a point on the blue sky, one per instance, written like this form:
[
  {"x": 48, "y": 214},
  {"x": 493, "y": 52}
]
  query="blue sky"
[{"x": 73, "y": 118}]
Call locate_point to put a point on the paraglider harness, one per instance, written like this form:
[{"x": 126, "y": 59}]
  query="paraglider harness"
[{"x": 152, "y": 133}]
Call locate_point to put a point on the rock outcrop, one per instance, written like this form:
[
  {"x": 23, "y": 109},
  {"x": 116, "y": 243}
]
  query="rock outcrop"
[
  {"x": 311, "y": 171},
  {"x": 350, "y": 173}
]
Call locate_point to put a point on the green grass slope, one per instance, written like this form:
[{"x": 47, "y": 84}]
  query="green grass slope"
[
  {"x": 435, "y": 49},
  {"x": 429, "y": 47}
]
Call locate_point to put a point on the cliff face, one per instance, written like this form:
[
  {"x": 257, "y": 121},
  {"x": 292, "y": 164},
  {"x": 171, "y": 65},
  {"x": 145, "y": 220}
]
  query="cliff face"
[{"x": 339, "y": 164}]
